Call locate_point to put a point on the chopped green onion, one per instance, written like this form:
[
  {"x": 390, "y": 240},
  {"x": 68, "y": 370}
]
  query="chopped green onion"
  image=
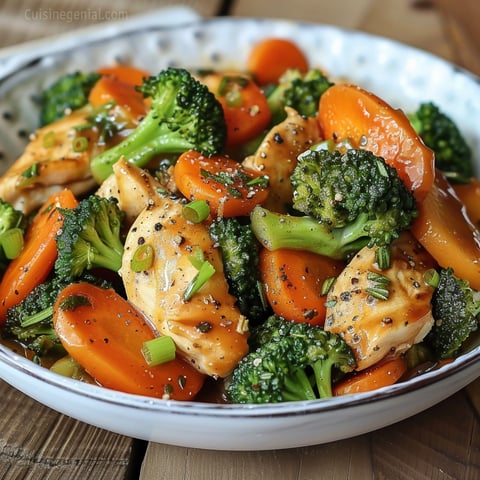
[
  {"x": 379, "y": 288},
  {"x": 12, "y": 242},
  {"x": 234, "y": 98},
  {"x": 261, "y": 181},
  {"x": 80, "y": 144},
  {"x": 28, "y": 176},
  {"x": 327, "y": 285},
  {"x": 196, "y": 211},
  {"x": 49, "y": 140},
  {"x": 382, "y": 257},
  {"x": 206, "y": 271},
  {"x": 142, "y": 258},
  {"x": 432, "y": 277},
  {"x": 197, "y": 258},
  {"x": 159, "y": 350}
]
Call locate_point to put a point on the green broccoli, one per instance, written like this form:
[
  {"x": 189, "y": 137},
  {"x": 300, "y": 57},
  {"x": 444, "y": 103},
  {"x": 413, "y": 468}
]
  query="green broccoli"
[
  {"x": 69, "y": 92},
  {"x": 239, "y": 251},
  {"x": 453, "y": 156},
  {"x": 349, "y": 200},
  {"x": 30, "y": 322},
  {"x": 12, "y": 228},
  {"x": 301, "y": 91},
  {"x": 456, "y": 310},
  {"x": 296, "y": 362},
  {"x": 184, "y": 115},
  {"x": 90, "y": 238}
]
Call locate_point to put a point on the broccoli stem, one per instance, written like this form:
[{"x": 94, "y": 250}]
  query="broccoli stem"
[
  {"x": 140, "y": 146},
  {"x": 102, "y": 254},
  {"x": 275, "y": 231},
  {"x": 323, "y": 377},
  {"x": 298, "y": 387}
]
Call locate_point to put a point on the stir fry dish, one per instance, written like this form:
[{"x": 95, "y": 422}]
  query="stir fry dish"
[{"x": 262, "y": 235}]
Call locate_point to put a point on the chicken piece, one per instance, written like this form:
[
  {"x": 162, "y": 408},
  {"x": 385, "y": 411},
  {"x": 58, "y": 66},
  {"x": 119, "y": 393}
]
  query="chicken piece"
[
  {"x": 54, "y": 159},
  {"x": 208, "y": 329},
  {"x": 277, "y": 155},
  {"x": 133, "y": 187},
  {"x": 373, "y": 327}
]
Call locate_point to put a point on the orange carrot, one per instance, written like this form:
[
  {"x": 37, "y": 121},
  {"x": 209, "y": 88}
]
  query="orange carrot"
[
  {"x": 39, "y": 253},
  {"x": 469, "y": 194},
  {"x": 105, "y": 334},
  {"x": 348, "y": 111},
  {"x": 220, "y": 181},
  {"x": 125, "y": 73},
  {"x": 244, "y": 105},
  {"x": 270, "y": 58},
  {"x": 384, "y": 373},
  {"x": 447, "y": 233},
  {"x": 293, "y": 283},
  {"x": 111, "y": 89}
]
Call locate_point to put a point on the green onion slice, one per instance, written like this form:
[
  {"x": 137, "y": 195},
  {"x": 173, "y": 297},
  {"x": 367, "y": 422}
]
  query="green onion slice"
[
  {"x": 206, "y": 271},
  {"x": 159, "y": 350},
  {"x": 142, "y": 258},
  {"x": 196, "y": 211},
  {"x": 11, "y": 242},
  {"x": 80, "y": 144}
]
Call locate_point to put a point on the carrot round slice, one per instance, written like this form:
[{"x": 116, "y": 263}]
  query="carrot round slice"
[
  {"x": 36, "y": 260},
  {"x": 447, "y": 233},
  {"x": 229, "y": 188},
  {"x": 382, "y": 374},
  {"x": 105, "y": 334},
  {"x": 270, "y": 58},
  {"x": 293, "y": 282},
  {"x": 244, "y": 105},
  {"x": 348, "y": 111},
  {"x": 125, "y": 73}
]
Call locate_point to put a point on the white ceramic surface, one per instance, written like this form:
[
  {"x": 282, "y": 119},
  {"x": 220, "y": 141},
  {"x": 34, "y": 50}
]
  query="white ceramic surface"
[{"x": 401, "y": 75}]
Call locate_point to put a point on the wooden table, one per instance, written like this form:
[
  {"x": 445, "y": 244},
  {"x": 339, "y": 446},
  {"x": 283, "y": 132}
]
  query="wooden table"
[{"x": 440, "y": 443}]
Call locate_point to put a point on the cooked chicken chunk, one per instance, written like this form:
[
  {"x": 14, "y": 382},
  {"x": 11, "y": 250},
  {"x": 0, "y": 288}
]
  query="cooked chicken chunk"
[
  {"x": 277, "y": 155},
  {"x": 54, "y": 159},
  {"x": 208, "y": 329},
  {"x": 374, "y": 327}
]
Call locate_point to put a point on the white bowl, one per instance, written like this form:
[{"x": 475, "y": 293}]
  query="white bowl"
[{"x": 402, "y": 75}]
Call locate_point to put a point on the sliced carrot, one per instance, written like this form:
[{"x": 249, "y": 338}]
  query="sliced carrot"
[
  {"x": 447, "y": 233},
  {"x": 244, "y": 105},
  {"x": 348, "y": 111},
  {"x": 39, "y": 253},
  {"x": 229, "y": 188},
  {"x": 382, "y": 374},
  {"x": 111, "y": 89},
  {"x": 270, "y": 58},
  {"x": 469, "y": 194},
  {"x": 104, "y": 333},
  {"x": 125, "y": 73},
  {"x": 293, "y": 282}
]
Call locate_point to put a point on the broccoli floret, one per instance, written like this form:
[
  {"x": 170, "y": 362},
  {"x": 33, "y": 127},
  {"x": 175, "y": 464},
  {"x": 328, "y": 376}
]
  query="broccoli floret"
[
  {"x": 456, "y": 310},
  {"x": 69, "y": 92},
  {"x": 90, "y": 238},
  {"x": 184, "y": 115},
  {"x": 301, "y": 91},
  {"x": 349, "y": 200},
  {"x": 453, "y": 156},
  {"x": 239, "y": 251},
  {"x": 30, "y": 322},
  {"x": 12, "y": 228},
  {"x": 295, "y": 363}
]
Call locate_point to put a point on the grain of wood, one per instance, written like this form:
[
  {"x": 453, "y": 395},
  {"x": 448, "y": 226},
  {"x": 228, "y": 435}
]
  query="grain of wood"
[{"x": 36, "y": 442}]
